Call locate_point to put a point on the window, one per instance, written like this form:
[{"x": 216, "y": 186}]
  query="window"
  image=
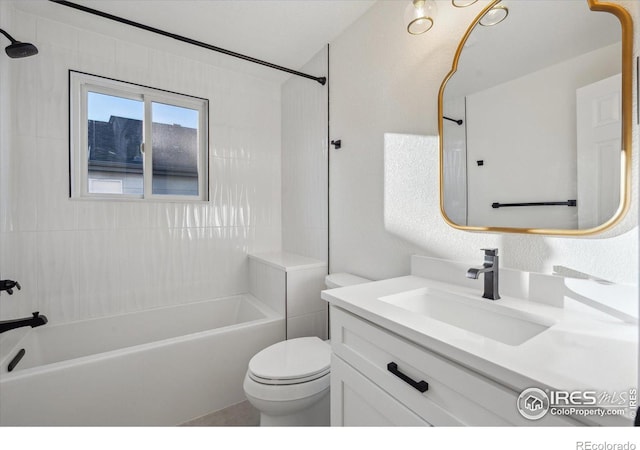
[{"x": 135, "y": 142}]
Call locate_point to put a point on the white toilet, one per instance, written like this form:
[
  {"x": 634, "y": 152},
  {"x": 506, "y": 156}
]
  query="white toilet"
[{"x": 288, "y": 382}]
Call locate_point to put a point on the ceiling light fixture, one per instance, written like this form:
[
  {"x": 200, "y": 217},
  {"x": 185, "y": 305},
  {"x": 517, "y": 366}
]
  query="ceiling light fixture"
[
  {"x": 419, "y": 16},
  {"x": 462, "y": 3},
  {"x": 494, "y": 16}
]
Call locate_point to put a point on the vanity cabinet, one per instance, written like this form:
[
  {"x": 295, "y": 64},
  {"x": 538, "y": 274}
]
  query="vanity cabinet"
[
  {"x": 363, "y": 403},
  {"x": 377, "y": 377}
]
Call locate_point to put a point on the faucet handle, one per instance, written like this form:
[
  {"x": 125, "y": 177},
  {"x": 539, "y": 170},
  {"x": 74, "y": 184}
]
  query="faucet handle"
[
  {"x": 8, "y": 285},
  {"x": 490, "y": 251}
]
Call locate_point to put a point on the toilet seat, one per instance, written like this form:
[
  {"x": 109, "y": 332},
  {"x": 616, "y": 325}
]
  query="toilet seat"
[
  {"x": 286, "y": 382},
  {"x": 255, "y": 390},
  {"x": 297, "y": 361}
]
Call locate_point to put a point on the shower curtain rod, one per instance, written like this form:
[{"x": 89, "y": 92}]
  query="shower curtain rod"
[{"x": 321, "y": 80}]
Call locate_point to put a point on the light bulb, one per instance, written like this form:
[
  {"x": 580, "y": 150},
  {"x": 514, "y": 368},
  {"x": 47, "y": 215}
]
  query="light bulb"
[
  {"x": 418, "y": 16},
  {"x": 462, "y": 3},
  {"x": 494, "y": 16}
]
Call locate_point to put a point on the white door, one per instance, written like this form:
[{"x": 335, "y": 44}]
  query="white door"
[{"x": 599, "y": 131}]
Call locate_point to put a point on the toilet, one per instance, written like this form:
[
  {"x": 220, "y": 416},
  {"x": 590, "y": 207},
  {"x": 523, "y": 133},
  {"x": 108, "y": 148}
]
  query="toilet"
[{"x": 288, "y": 382}]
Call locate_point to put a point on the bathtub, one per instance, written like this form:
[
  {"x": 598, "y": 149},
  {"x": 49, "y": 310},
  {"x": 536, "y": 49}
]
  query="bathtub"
[{"x": 163, "y": 366}]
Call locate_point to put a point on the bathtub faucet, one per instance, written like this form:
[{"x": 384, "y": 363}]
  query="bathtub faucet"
[
  {"x": 8, "y": 285},
  {"x": 35, "y": 321}
]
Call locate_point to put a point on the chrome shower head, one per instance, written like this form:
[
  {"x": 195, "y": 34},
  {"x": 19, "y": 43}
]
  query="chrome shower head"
[{"x": 19, "y": 49}]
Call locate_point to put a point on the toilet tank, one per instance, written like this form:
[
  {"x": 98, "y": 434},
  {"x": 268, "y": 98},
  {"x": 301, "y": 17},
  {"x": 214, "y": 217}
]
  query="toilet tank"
[{"x": 341, "y": 279}]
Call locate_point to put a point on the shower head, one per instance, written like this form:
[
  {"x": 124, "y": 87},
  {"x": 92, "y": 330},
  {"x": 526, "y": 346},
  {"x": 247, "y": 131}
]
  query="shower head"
[{"x": 19, "y": 49}]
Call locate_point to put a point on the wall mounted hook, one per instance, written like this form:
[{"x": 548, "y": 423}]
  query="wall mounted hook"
[
  {"x": 337, "y": 144},
  {"x": 458, "y": 121}
]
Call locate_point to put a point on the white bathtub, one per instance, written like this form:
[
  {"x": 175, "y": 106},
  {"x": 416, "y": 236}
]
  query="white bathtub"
[{"x": 158, "y": 367}]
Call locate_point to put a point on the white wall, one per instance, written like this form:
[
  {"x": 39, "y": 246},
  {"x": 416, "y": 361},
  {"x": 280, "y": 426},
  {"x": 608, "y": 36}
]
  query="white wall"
[
  {"x": 4, "y": 135},
  {"x": 386, "y": 81},
  {"x": 78, "y": 259},
  {"x": 304, "y": 163},
  {"x": 540, "y": 166}
]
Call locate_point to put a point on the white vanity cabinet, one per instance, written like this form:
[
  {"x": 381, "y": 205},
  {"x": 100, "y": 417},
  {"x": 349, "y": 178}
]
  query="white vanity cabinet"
[
  {"x": 364, "y": 391},
  {"x": 357, "y": 401}
]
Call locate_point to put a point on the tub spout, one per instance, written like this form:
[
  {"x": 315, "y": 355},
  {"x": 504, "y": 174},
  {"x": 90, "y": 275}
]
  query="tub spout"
[{"x": 35, "y": 321}]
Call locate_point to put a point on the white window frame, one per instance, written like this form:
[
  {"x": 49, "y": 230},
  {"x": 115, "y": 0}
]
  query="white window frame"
[{"x": 80, "y": 84}]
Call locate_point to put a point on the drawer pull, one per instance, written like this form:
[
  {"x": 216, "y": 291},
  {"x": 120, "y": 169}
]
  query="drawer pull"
[{"x": 421, "y": 385}]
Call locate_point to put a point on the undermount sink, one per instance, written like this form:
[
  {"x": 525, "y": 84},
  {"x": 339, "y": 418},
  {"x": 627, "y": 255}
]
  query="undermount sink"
[{"x": 479, "y": 316}]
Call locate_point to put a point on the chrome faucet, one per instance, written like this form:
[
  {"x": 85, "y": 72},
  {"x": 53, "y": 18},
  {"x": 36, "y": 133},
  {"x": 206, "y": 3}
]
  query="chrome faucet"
[{"x": 490, "y": 270}]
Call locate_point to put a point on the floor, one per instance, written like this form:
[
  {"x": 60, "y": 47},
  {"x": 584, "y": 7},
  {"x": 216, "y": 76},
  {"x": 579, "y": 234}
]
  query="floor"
[{"x": 239, "y": 415}]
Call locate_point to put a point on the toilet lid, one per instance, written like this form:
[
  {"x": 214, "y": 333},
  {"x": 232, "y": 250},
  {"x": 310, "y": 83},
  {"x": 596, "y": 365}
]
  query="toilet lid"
[
  {"x": 337, "y": 280},
  {"x": 287, "y": 362}
]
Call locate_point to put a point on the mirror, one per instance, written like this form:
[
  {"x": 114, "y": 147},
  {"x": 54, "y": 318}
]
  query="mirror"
[{"x": 535, "y": 119}]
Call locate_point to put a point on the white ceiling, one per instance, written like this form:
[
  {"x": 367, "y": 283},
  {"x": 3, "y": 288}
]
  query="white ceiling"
[
  {"x": 536, "y": 34},
  {"x": 284, "y": 32}
]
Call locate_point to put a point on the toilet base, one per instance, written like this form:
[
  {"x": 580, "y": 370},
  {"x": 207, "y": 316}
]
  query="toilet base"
[{"x": 317, "y": 415}]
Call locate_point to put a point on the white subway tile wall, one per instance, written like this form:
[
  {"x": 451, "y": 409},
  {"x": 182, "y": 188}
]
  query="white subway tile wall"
[
  {"x": 313, "y": 324},
  {"x": 305, "y": 164},
  {"x": 79, "y": 259},
  {"x": 303, "y": 291},
  {"x": 268, "y": 284}
]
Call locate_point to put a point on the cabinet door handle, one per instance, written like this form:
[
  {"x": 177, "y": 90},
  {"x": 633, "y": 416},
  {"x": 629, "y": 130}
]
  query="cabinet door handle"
[{"x": 421, "y": 385}]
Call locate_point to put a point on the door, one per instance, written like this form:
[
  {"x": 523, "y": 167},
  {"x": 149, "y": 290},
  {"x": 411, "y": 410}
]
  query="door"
[{"x": 599, "y": 139}]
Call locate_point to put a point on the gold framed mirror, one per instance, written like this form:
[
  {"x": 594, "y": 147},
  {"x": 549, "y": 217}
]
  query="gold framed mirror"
[{"x": 535, "y": 120}]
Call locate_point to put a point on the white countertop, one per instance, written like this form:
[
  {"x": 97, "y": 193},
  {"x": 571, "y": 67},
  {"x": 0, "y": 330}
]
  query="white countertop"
[{"x": 584, "y": 349}]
